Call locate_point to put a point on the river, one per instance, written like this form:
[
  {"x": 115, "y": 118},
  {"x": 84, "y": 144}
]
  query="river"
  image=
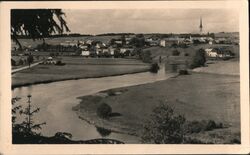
[{"x": 56, "y": 100}]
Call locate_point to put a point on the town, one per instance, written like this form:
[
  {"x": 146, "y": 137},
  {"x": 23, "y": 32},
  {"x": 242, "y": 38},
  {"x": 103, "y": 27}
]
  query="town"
[{"x": 124, "y": 45}]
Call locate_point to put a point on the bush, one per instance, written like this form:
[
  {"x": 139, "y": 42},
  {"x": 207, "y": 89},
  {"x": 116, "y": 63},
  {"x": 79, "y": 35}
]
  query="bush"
[
  {"x": 21, "y": 62},
  {"x": 59, "y": 63},
  {"x": 199, "y": 126},
  {"x": 164, "y": 127},
  {"x": 199, "y": 59},
  {"x": 210, "y": 125},
  {"x": 195, "y": 126},
  {"x": 183, "y": 72},
  {"x": 104, "y": 110},
  {"x": 154, "y": 68},
  {"x": 175, "y": 53},
  {"x": 111, "y": 92}
]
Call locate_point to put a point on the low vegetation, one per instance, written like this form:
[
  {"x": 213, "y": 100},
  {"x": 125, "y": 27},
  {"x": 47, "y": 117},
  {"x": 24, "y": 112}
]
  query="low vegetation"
[
  {"x": 154, "y": 68},
  {"x": 199, "y": 59},
  {"x": 183, "y": 72},
  {"x": 206, "y": 121},
  {"x": 166, "y": 127},
  {"x": 77, "y": 68},
  {"x": 104, "y": 111}
]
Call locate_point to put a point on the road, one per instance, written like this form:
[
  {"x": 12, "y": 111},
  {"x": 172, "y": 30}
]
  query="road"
[{"x": 25, "y": 67}]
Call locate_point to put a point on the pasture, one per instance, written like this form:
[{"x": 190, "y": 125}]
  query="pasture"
[
  {"x": 77, "y": 68},
  {"x": 197, "y": 97}
]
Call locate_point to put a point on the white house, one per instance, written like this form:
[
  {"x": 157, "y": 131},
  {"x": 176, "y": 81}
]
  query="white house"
[
  {"x": 118, "y": 42},
  {"x": 127, "y": 39},
  {"x": 112, "y": 50},
  {"x": 124, "y": 49},
  {"x": 85, "y": 53},
  {"x": 105, "y": 50},
  {"x": 163, "y": 43},
  {"x": 83, "y": 46},
  {"x": 214, "y": 53},
  {"x": 169, "y": 41}
]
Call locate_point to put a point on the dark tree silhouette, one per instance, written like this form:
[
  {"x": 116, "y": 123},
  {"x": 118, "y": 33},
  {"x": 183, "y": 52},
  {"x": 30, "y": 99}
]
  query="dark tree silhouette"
[{"x": 37, "y": 23}]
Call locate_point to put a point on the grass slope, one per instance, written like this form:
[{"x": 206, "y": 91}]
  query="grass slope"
[
  {"x": 196, "y": 96},
  {"x": 77, "y": 68}
]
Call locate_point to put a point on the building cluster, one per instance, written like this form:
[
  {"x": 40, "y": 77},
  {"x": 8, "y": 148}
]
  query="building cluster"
[
  {"x": 114, "y": 48},
  {"x": 126, "y": 45},
  {"x": 202, "y": 39},
  {"x": 219, "y": 53}
]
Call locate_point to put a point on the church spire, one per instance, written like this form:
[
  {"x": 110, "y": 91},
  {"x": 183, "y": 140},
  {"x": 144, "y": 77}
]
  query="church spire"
[{"x": 200, "y": 25}]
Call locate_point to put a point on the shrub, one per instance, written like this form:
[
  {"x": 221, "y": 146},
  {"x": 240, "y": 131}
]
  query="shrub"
[
  {"x": 59, "y": 63},
  {"x": 111, "y": 92},
  {"x": 175, "y": 53},
  {"x": 199, "y": 59},
  {"x": 235, "y": 141},
  {"x": 199, "y": 126},
  {"x": 104, "y": 110},
  {"x": 195, "y": 126},
  {"x": 210, "y": 125},
  {"x": 21, "y": 62},
  {"x": 164, "y": 127},
  {"x": 102, "y": 131},
  {"x": 154, "y": 68},
  {"x": 183, "y": 72}
]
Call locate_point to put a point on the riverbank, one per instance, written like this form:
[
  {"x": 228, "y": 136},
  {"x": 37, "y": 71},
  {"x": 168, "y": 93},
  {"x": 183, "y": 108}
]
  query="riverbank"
[
  {"x": 229, "y": 67},
  {"x": 77, "y": 68},
  {"x": 197, "y": 96}
]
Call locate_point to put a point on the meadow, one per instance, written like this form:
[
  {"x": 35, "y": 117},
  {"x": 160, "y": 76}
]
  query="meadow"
[
  {"x": 56, "y": 41},
  {"x": 77, "y": 68},
  {"x": 197, "y": 97}
]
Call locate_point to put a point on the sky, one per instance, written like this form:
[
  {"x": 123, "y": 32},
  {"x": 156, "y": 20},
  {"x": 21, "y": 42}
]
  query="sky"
[{"x": 99, "y": 21}]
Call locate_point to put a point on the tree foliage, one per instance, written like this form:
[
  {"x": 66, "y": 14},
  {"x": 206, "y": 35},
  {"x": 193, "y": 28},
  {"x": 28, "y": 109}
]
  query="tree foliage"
[
  {"x": 37, "y": 23},
  {"x": 199, "y": 59},
  {"x": 104, "y": 110},
  {"x": 27, "y": 127},
  {"x": 164, "y": 127}
]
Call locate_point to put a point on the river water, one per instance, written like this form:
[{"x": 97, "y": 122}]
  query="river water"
[{"x": 56, "y": 100}]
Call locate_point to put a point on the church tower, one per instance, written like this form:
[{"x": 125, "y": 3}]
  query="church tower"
[{"x": 201, "y": 26}]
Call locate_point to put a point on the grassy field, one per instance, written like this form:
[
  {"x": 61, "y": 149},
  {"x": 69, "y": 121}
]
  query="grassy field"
[
  {"x": 56, "y": 41},
  {"x": 77, "y": 68},
  {"x": 167, "y": 51},
  {"x": 196, "y": 96},
  {"x": 229, "y": 67}
]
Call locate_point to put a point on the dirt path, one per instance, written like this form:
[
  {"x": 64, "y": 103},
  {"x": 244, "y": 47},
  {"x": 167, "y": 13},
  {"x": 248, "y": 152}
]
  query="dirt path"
[{"x": 25, "y": 67}]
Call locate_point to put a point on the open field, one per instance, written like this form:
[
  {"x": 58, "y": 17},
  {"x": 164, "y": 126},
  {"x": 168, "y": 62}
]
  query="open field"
[
  {"x": 196, "y": 96},
  {"x": 77, "y": 68},
  {"x": 56, "y": 41},
  {"x": 167, "y": 51},
  {"x": 229, "y": 67}
]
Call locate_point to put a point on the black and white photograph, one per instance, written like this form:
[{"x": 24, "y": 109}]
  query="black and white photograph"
[{"x": 126, "y": 76}]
